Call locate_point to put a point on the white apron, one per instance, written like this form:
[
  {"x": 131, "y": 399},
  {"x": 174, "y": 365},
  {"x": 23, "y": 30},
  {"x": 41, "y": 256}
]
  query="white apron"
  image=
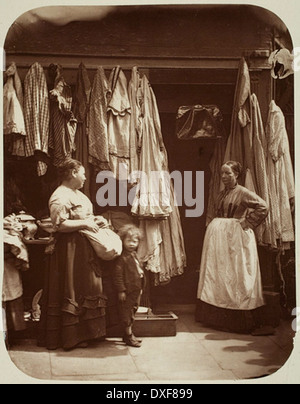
[{"x": 230, "y": 272}]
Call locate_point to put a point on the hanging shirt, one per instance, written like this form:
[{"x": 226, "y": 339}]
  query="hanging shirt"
[{"x": 36, "y": 114}]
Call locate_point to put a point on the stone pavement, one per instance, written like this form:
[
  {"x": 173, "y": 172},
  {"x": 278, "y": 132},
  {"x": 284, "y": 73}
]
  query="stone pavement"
[{"x": 196, "y": 354}]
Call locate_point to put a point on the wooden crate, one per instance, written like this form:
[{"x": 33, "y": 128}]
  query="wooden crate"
[
  {"x": 150, "y": 325},
  {"x": 156, "y": 325}
]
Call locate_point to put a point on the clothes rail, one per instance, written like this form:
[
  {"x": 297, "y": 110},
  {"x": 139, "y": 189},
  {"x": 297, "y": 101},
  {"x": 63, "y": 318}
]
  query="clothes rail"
[{"x": 91, "y": 62}]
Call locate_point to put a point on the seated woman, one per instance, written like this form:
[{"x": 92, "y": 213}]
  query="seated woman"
[
  {"x": 230, "y": 288},
  {"x": 73, "y": 303}
]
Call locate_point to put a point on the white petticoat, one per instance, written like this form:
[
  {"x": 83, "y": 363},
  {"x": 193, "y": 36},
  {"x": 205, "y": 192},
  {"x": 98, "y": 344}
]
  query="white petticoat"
[{"x": 230, "y": 275}]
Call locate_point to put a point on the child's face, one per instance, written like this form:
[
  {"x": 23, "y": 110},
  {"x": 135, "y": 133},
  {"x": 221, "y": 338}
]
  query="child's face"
[{"x": 131, "y": 243}]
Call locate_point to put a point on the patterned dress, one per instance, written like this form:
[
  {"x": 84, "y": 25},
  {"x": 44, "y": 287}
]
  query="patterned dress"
[
  {"x": 97, "y": 122},
  {"x": 36, "y": 115}
]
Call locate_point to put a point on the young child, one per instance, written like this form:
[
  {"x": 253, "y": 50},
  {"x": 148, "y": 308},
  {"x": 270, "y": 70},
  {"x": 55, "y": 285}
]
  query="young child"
[
  {"x": 128, "y": 280},
  {"x": 106, "y": 243}
]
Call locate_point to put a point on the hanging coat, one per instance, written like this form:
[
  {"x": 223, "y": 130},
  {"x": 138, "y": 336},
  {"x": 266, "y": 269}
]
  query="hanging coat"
[
  {"x": 36, "y": 114},
  {"x": 239, "y": 143},
  {"x": 97, "y": 122}
]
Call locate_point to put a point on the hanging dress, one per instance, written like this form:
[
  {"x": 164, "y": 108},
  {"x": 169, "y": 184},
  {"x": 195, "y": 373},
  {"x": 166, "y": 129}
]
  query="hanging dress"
[
  {"x": 281, "y": 175},
  {"x": 152, "y": 199},
  {"x": 97, "y": 122},
  {"x": 80, "y": 108},
  {"x": 265, "y": 232},
  {"x": 173, "y": 258},
  {"x": 230, "y": 275},
  {"x": 36, "y": 115},
  {"x": 163, "y": 247},
  {"x": 118, "y": 124},
  {"x": 63, "y": 124},
  {"x": 13, "y": 118}
]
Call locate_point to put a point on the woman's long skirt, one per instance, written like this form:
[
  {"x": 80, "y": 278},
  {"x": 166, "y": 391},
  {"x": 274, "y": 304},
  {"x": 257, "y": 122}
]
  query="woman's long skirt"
[
  {"x": 230, "y": 287},
  {"x": 73, "y": 303}
]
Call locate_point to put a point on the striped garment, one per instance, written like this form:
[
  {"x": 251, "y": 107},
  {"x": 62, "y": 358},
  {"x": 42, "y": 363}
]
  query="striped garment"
[
  {"x": 97, "y": 122},
  {"x": 36, "y": 114}
]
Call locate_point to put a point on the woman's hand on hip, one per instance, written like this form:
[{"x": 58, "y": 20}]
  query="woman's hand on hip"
[{"x": 245, "y": 225}]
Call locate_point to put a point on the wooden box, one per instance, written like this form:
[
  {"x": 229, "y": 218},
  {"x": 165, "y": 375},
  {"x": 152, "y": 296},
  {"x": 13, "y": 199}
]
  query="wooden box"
[
  {"x": 155, "y": 325},
  {"x": 150, "y": 325}
]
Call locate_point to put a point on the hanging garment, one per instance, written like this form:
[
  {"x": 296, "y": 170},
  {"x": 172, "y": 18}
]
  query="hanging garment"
[
  {"x": 215, "y": 181},
  {"x": 13, "y": 118},
  {"x": 152, "y": 199},
  {"x": 80, "y": 109},
  {"x": 135, "y": 98},
  {"x": 239, "y": 144},
  {"x": 149, "y": 250},
  {"x": 215, "y": 165},
  {"x": 15, "y": 259},
  {"x": 162, "y": 249},
  {"x": 63, "y": 124},
  {"x": 230, "y": 272},
  {"x": 97, "y": 122},
  {"x": 172, "y": 250},
  {"x": 198, "y": 121},
  {"x": 282, "y": 62},
  {"x": 280, "y": 174},
  {"x": 264, "y": 233},
  {"x": 36, "y": 114},
  {"x": 118, "y": 123}
]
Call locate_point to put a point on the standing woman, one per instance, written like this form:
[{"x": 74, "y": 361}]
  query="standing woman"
[
  {"x": 230, "y": 287},
  {"x": 73, "y": 304}
]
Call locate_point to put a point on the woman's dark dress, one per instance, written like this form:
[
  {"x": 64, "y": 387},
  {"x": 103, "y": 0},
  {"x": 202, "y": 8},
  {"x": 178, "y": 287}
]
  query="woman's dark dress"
[{"x": 73, "y": 303}]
